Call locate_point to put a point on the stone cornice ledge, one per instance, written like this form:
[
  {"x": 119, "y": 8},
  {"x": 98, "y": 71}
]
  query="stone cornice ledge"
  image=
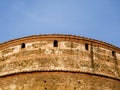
[{"x": 71, "y": 70}]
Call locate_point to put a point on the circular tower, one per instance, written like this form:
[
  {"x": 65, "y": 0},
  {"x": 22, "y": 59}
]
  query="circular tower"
[{"x": 59, "y": 62}]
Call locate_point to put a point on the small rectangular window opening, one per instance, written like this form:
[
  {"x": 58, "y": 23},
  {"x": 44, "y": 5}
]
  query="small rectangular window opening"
[
  {"x": 55, "y": 43},
  {"x": 113, "y": 53},
  {"x": 23, "y": 45},
  {"x": 86, "y": 47}
]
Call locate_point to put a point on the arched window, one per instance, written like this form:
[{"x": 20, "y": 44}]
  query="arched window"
[
  {"x": 23, "y": 45},
  {"x": 55, "y": 44},
  {"x": 86, "y": 46}
]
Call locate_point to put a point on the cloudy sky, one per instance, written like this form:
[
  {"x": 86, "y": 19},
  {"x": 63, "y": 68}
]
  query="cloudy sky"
[{"x": 97, "y": 19}]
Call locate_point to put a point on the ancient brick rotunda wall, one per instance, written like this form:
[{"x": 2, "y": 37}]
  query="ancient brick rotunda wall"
[{"x": 59, "y": 62}]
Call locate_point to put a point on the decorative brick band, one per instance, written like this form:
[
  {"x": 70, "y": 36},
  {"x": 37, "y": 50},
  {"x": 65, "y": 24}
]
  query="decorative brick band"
[
  {"x": 22, "y": 66},
  {"x": 58, "y": 70}
]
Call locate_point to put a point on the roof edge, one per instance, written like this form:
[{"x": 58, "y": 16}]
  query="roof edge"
[{"x": 63, "y": 35}]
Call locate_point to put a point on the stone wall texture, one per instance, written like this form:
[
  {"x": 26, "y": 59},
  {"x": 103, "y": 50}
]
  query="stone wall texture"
[{"x": 59, "y": 62}]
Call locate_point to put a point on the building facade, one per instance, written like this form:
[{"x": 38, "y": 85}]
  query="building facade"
[{"x": 59, "y": 62}]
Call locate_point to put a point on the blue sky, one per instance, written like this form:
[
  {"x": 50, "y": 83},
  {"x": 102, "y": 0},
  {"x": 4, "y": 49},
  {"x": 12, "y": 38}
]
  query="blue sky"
[{"x": 97, "y": 19}]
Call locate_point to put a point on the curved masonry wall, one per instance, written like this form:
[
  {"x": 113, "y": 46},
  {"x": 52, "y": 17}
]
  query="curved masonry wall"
[
  {"x": 60, "y": 53},
  {"x": 57, "y": 81}
]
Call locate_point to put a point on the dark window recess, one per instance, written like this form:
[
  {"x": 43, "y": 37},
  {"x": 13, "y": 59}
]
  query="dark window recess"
[
  {"x": 55, "y": 43},
  {"x": 86, "y": 47},
  {"x": 23, "y": 45},
  {"x": 113, "y": 53},
  {"x": 45, "y": 81}
]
